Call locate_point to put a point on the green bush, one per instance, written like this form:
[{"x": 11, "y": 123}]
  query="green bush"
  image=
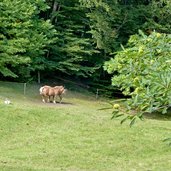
[{"x": 142, "y": 71}]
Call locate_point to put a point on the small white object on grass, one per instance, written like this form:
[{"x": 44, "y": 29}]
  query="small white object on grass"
[{"x": 7, "y": 101}]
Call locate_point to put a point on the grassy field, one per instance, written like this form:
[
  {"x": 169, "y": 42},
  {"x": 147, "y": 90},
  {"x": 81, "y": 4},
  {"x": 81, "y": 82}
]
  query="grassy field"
[{"x": 75, "y": 135}]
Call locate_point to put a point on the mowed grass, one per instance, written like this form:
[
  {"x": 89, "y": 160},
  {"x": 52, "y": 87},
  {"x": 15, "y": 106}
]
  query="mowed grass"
[{"x": 75, "y": 135}]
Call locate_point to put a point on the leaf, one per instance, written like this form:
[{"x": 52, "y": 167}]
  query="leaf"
[
  {"x": 132, "y": 122},
  {"x": 123, "y": 120},
  {"x": 167, "y": 139},
  {"x": 116, "y": 115},
  {"x": 105, "y": 108},
  {"x": 119, "y": 100},
  {"x": 164, "y": 111},
  {"x": 141, "y": 117}
]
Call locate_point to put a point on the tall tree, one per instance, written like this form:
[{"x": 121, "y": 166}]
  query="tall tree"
[
  {"x": 73, "y": 50},
  {"x": 23, "y": 36}
]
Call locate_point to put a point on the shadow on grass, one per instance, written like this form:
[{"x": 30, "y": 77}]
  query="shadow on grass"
[
  {"x": 159, "y": 116},
  {"x": 57, "y": 103}
]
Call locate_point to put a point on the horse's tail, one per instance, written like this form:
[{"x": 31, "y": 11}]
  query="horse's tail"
[{"x": 41, "y": 90}]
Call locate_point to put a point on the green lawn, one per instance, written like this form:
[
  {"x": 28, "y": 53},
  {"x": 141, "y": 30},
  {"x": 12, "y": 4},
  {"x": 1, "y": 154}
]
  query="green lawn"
[{"x": 75, "y": 135}]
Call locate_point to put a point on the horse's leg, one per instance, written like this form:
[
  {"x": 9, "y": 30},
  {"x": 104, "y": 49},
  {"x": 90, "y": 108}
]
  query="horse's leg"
[
  {"x": 60, "y": 97},
  {"x": 54, "y": 99},
  {"x": 48, "y": 99},
  {"x": 43, "y": 99}
]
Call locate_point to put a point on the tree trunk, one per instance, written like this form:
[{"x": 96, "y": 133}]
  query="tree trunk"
[
  {"x": 38, "y": 77},
  {"x": 56, "y": 7}
]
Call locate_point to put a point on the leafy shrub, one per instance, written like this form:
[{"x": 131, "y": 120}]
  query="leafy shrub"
[{"x": 142, "y": 71}]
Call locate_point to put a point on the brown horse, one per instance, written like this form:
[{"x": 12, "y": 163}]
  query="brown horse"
[{"x": 47, "y": 92}]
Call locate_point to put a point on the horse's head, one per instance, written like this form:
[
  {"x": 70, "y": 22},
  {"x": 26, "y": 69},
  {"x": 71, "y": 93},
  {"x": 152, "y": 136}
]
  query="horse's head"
[{"x": 60, "y": 89}]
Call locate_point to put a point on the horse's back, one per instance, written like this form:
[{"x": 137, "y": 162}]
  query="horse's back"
[{"x": 51, "y": 91}]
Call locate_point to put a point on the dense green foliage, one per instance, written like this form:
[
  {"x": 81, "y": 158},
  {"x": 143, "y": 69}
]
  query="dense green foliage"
[
  {"x": 23, "y": 37},
  {"x": 72, "y": 53},
  {"x": 143, "y": 72},
  {"x": 86, "y": 33}
]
